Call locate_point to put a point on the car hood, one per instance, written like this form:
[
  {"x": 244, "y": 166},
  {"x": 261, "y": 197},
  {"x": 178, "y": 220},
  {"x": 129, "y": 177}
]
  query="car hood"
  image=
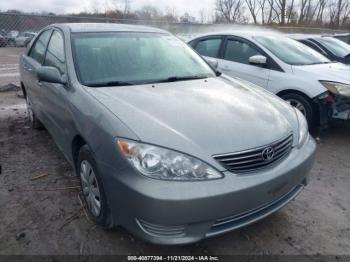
[
  {"x": 201, "y": 117},
  {"x": 336, "y": 72}
]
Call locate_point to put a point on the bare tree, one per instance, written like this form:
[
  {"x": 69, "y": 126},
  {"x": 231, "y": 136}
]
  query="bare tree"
[
  {"x": 202, "y": 16},
  {"x": 320, "y": 11},
  {"x": 290, "y": 12},
  {"x": 280, "y": 11},
  {"x": 336, "y": 11},
  {"x": 266, "y": 10},
  {"x": 271, "y": 11},
  {"x": 303, "y": 6},
  {"x": 345, "y": 16},
  {"x": 127, "y": 6},
  {"x": 262, "y": 8},
  {"x": 253, "y": 9},
  {"x": 171, "y": 14},
  {"x": 148, "y": 12},
  {"x": 231, "y": 10}
]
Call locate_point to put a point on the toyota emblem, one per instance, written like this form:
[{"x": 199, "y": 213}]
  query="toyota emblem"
[{"x": 268, "y": 153}]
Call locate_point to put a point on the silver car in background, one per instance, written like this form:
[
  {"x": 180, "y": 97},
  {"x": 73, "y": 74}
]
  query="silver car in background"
[
  {"x": 164, "y": 145},
  {"x": 24, "y": 38}
]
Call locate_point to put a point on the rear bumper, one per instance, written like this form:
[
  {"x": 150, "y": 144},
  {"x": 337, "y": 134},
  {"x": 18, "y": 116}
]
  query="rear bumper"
[{"x": 165, "y": 212}]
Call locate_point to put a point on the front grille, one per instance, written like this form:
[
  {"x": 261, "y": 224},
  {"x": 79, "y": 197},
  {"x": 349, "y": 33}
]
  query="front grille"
[
  {"x": 256, "y": 158},
  {"x": 161, "y": 230}
]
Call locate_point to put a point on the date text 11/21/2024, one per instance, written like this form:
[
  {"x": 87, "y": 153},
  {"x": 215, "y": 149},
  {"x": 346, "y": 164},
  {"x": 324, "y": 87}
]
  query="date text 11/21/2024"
[{"x": 173, "y": 258}]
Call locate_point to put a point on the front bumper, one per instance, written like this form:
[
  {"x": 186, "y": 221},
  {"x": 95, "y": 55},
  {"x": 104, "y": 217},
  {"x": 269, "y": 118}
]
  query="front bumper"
[
  {"x": 333, "y": 107},
  {"x": 341, "y": 108},
  {"x": 166, "y": 212}
]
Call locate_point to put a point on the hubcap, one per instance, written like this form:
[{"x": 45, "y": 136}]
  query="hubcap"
[
  {"x": 298, "y": 105},
  {"x": 90, "y": 188}
]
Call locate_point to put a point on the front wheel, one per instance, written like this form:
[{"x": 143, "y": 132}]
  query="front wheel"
[
  {"x": 303, "y": 104},
  {"x": 92, "y": 188}
]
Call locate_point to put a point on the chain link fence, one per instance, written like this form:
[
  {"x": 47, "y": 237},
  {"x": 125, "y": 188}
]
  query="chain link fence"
[
  {"x": 17, "y": 22},
  {"x": 17, "y": 30}
]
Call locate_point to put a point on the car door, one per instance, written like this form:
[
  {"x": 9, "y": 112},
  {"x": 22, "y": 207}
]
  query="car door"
[
  {"x": 235, "y": 61},
  {"x": 56, "y": 102},
  {"x": 30, "y": 62}
]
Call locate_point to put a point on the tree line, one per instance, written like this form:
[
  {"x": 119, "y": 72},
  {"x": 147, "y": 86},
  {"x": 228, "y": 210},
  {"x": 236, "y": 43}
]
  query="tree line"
[
  {"x": 330, "y": 13},
  {"x": 307, "y": 13}
]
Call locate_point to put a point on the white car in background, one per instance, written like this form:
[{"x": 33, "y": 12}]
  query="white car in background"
[
  {"x": 24, "y": 38},
  {"x": 319, "y": 88}
]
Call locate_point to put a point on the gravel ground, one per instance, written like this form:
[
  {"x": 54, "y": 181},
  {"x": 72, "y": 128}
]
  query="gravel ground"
[
  {"x": 9, "y": 65},
  {"x": 41, "y": 212}
]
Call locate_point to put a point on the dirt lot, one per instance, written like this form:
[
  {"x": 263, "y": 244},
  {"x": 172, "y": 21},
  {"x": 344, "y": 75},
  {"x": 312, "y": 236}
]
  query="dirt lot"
[
  {"x": 9, "y": 65},
  {"x": 44, "y": 215}
]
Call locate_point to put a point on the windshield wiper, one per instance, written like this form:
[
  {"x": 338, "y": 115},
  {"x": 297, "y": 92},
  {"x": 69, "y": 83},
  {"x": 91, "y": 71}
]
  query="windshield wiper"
[
  {"x": 110, "y": 83},
  {"x": 180, "y": 78}
]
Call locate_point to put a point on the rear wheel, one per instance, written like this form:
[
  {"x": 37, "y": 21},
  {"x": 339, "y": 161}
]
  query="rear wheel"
[
  {"x": 92, "y": 188},
  {"x": 33, "y": 120},
  {"x": 303, "y": 104}
]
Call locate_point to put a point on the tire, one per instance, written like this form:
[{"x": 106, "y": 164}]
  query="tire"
[
  {"x": 33, "y": 120},
  {"x": 303, "y": 104},
  {"x": 92, "y": 188}
]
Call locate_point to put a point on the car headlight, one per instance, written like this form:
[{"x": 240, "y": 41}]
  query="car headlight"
[
  {"x": 337, "y": 88},
  {"x": 160, "y": 163},
  {"x": 303, "y": 128}
]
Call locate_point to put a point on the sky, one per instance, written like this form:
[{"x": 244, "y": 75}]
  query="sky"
[{"x": 69, "y": 6}]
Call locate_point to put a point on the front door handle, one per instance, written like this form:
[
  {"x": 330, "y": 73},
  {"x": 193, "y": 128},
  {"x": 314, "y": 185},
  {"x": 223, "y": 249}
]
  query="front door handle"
[{"x": 38, "y": 83}]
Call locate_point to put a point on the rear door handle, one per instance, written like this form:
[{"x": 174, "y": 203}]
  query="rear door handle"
[{"x": 39, "y": 83}]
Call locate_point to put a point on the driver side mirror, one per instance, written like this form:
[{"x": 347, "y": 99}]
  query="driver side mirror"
[
  {"x": 212, "y": 62},
  {"x": 51, "y": 75},
  {"x": 258, "y": 60}
]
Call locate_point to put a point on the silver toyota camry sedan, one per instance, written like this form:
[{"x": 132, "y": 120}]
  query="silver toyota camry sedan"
[{"x": 165, "y": 146}]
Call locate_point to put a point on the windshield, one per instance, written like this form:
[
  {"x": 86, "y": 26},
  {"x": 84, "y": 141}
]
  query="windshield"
[
  {"x": 291, "y": 51},
  {"x": 336, "y": 46},
  {"x": 128, "y": 58}
]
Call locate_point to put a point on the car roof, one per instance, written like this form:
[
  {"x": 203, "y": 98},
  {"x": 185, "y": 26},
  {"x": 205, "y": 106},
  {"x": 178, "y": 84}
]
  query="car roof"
[
  {"x": 306, "y": 37},
  {"x": 243, "y": 34},
  {"x": 303, "y": 36},
  {"x": 106, "y": 27},
  {"x": 345, "y": 34}
]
